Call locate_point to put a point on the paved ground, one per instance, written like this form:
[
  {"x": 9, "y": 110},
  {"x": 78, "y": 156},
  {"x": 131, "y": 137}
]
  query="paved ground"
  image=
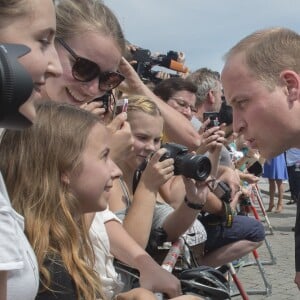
[{"x": 279, "y": 275}]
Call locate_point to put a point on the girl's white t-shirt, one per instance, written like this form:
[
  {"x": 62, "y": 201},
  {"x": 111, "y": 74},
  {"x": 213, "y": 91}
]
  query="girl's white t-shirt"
[{"x": 16, "y": 254}]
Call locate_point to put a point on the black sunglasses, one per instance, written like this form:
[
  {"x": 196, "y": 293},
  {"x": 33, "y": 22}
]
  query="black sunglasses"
[{"x": 85, "y": 70}]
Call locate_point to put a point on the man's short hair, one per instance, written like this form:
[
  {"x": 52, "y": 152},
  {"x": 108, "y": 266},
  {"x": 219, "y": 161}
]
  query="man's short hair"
[
  {"x": 206, "y": 80},
  {"x": 268, "y": 52}
]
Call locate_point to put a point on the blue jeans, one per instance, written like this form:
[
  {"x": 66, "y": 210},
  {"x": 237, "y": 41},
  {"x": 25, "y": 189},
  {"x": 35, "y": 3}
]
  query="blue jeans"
[{"x": 243, "y": 228}]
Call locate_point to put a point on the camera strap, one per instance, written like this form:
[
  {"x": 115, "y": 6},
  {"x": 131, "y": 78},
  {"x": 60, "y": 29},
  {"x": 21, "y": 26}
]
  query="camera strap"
[
  {"x": 227, "y": 219},
  {"x": 137, "y": 175},
  {"x": 229, "y": 215}
]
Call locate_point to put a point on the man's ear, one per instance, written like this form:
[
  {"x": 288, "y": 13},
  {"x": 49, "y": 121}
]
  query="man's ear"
[
  {"x": 292, "y": 81},
  {"x": 65, "y": 178},
  {"x": 210, "y": 97}
]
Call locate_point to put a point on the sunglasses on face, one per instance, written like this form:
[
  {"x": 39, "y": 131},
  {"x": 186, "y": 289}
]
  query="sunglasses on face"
[{"x": 85, "y": 70}]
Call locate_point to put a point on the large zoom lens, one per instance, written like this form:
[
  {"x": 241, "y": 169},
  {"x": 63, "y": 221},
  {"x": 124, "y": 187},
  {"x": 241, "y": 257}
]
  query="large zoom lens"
[
  {"x": 187, "y": 164},
  {"x": 192, "y": 166},
  {"x": 15, "y": 86}
]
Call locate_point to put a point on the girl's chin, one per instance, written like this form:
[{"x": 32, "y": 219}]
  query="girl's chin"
[{"x": 28, "y": 110}]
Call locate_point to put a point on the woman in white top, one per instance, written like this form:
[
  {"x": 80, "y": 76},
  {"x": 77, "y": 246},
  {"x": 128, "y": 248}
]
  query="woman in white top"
[{"x": 18, "y": 268}]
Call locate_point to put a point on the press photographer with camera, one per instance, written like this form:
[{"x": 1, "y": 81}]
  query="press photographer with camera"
[
  {"x": 209, "y": 103},
  {"x": 181, "y": 94},
  {"x": 27, "y": 58}
]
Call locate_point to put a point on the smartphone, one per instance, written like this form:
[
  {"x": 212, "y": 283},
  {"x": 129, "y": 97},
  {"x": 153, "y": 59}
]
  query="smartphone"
[
  {"x": 120, "y": 106},
  {"x": 105, "y": 101},
  {"x": 214, "y": 119},
  {"x": 255, "y": 169}
]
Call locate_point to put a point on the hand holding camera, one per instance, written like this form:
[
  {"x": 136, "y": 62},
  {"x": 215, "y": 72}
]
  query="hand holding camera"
[
  {"x": 187, "y": 164},
  {"x": 213, "y": 118},
  {"x": 212, "y": 139},
  {"x": 132, "y": 83},
  {"x": 122, "y": 139},
  {"x": 96, "y": 107},
  {"x": 196, "y": 193},
  {"x": 157, "y": 171}
]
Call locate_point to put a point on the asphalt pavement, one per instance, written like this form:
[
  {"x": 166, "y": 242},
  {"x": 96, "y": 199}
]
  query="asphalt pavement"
[{"x": 271, "y": 276}]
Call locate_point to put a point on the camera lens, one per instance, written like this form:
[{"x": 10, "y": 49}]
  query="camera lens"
[
  {"x": 193, "y": 166},
  {"x": 15, "y": 86}
]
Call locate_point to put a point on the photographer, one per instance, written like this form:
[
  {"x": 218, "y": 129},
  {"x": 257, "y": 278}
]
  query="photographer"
[
  {"x": 181, "y": 94},
  {"x": 209, "y": 99},
  {"x": 21, "y": 23}
]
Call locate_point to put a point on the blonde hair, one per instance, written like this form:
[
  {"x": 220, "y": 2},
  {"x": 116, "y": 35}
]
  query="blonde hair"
[
  {"x": 11, "y": 9},
  {"x": 33, "y": 162},
  {"x": 143, "y": 104},
  {"x": 268, "y": 52},
  {"x": 79, "y": 16}
]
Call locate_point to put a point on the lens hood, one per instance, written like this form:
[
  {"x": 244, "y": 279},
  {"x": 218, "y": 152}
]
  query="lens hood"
[{"x": 15, "y": 86}]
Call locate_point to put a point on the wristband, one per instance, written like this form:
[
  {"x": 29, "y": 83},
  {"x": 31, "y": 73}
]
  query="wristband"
[
  {"x": 228, "y": 215},
  {"x": 197, "y": 206}
]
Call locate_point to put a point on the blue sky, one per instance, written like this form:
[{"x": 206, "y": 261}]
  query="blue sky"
[{"x": 203, "y": 30}]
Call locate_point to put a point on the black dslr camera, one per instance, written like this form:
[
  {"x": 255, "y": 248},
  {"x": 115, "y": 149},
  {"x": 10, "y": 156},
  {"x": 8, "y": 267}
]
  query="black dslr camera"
[
  {"x": 146, "y": 61},
  {"x": 223, "y": 191},
  {"x": 15, "y": 86},
  {"x": 187, "y": 164}
]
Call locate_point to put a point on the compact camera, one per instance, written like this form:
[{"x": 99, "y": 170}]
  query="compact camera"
[
  {"x": 15, "y": 86},
  {"x": 187, "y": 164}
]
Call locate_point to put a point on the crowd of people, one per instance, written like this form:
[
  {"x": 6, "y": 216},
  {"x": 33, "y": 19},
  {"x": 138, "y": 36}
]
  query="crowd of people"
[{"x": 82, "y": 186}]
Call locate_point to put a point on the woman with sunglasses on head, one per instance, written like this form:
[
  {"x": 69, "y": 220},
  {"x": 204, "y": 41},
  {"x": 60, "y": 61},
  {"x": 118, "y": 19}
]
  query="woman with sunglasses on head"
[{"x": 33, "y": 25}]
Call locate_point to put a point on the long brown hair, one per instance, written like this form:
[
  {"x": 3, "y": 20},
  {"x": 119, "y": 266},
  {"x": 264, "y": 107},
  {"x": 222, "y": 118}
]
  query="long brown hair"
[{"x": 32, "y": 163}]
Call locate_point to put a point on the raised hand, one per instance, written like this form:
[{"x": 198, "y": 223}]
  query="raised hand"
[{"x": 122, "y": 139}]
